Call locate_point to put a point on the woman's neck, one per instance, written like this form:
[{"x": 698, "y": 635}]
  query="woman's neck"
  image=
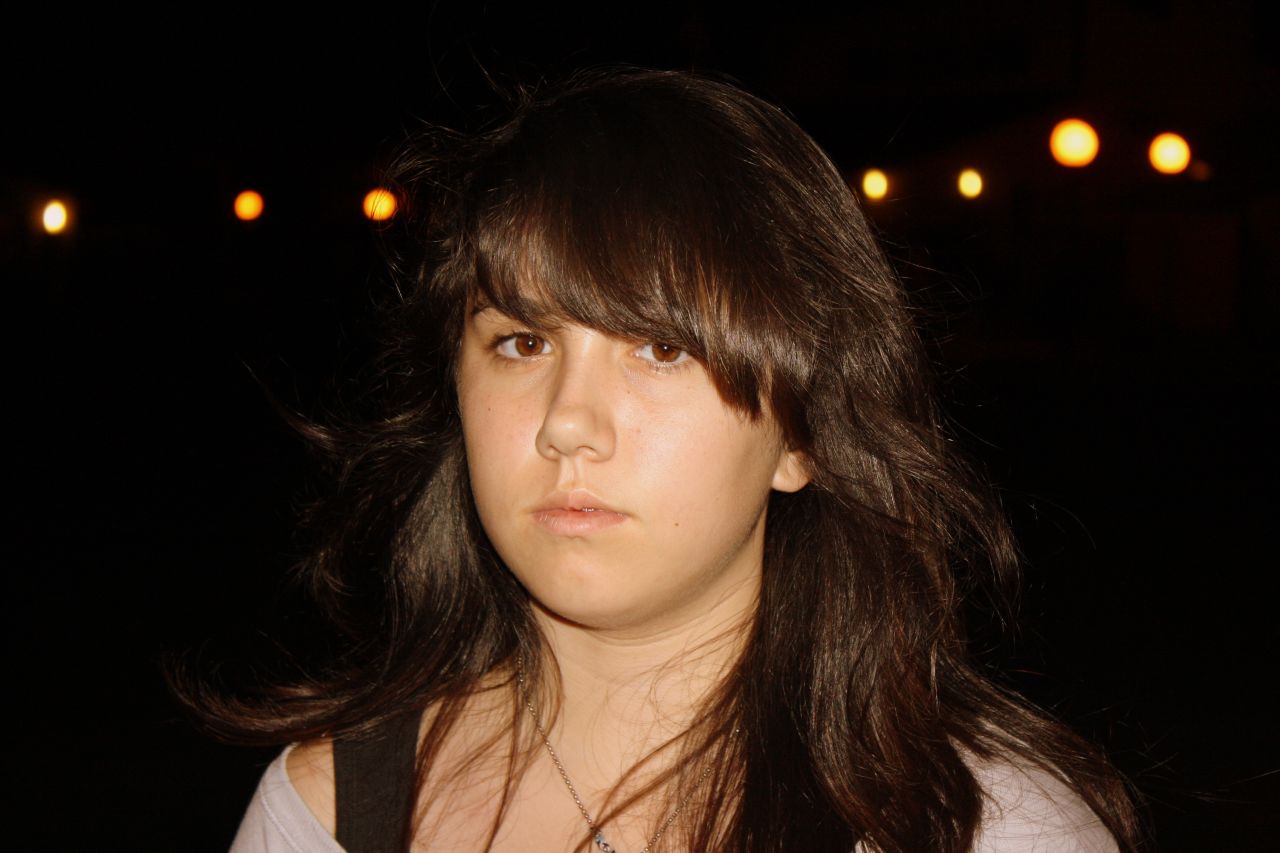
[{"x": 624, "y": 693}]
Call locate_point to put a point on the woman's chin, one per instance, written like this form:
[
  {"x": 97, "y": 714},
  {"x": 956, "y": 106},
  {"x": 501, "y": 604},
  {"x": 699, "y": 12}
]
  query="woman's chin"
[{"x": 605, "y": 612}]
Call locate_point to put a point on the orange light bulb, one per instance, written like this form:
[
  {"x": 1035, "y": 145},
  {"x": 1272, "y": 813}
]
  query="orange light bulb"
[
  {"x": 1073, "y": 142},
  {"x": 875, "y": 184},
  {"x": 380, "y": 204},
  {"x": 248, "y": 206},
  {"x": 1169, "y": 153},
  {"x": 55, "y": 217},
  {"x": 970, "y": 183}
]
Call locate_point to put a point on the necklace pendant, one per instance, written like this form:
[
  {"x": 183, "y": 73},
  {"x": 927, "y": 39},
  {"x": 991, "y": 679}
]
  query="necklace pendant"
[{"x": 604, "y": 846}]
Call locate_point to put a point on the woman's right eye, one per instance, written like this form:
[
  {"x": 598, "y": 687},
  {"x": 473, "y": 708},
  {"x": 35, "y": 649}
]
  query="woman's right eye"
[{"x": 520, "y": 345}]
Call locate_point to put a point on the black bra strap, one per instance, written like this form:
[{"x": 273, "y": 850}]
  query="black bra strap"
[{"x": 374, "y": 787}]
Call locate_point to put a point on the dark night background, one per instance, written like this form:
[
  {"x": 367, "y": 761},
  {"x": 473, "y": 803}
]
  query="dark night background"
[{"x": 1105, "y": 338}]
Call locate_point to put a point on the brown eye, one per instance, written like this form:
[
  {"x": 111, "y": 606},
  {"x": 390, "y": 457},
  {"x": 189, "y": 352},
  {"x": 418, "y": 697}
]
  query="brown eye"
[
  {"x": 528, "y": 345},
  {"x": 521, "y": 345},
  {"x": 663, "y": 355}
]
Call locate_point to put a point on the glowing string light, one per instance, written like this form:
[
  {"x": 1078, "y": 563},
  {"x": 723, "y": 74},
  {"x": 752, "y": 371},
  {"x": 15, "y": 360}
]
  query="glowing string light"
[
  {"x": 55, "y": 217},
  {"x": 380, "y": 204},
  {"x": 1073, "y": 142},
  {"x": 248, "y": 206},
  {"x": 875, "y": 184},
  {"x": 1169, "y": 153}
]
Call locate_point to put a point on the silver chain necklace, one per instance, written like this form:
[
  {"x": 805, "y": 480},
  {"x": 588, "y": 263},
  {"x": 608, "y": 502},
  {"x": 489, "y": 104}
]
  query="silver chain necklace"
[{"x": 605, "y": 846}]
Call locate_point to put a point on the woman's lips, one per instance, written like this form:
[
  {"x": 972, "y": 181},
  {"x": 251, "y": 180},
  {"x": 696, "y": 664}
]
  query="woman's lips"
[{"x": 577, "y": 522}]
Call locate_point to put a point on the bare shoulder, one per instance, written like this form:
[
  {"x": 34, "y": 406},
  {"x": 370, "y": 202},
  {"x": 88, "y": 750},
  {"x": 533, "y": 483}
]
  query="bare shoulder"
[
  {"x": 1030, "y": 809},
  {"x": 310, "y": 767}
]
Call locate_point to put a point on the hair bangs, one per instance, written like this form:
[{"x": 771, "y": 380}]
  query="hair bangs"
[{"x": 587, "y": 235}]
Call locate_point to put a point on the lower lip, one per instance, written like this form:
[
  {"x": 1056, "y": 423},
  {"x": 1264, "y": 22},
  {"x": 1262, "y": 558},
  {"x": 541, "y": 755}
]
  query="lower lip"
[{"x": 573, "y": 522}]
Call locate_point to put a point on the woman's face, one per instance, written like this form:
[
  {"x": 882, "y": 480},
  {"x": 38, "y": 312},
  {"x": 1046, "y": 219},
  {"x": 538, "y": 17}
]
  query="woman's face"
[{"x": 611, "y": 477}]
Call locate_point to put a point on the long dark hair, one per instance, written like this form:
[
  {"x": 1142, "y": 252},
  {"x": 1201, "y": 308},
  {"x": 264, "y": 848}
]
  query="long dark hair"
[{"x": 666, "y": 206}]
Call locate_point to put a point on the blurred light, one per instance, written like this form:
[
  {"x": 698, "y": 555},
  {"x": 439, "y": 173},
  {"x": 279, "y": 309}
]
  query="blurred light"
[
  {"x": 248, "y": 206},
  {"x": 1073, "y": 142},
  {"x": 379, "y": 204},
  {"x": 54, "y": 217},
  {"x": 970, "y": 183},
  {"x": 1200, "y": 171},
  {"x": 1169, "y": 153},
  {"x": 875, "y": 184}
]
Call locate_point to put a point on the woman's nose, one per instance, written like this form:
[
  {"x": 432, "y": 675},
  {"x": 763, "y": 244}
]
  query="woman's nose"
[{"x": 579, "y": 415}]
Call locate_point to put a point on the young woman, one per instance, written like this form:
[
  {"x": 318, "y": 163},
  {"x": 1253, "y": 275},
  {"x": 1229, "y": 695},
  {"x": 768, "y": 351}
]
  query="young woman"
[{"x": 659, "y": 543}]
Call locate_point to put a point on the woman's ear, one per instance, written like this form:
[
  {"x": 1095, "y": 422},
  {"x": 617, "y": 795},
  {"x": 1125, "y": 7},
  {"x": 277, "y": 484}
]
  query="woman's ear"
[{"x": 792, "y": 473}]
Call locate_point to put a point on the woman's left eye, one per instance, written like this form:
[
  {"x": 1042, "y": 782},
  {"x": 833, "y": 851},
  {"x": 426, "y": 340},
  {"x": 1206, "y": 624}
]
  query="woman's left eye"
[
  {"x": 520, "y": 345},
  {"x": 663, "y": 355}
]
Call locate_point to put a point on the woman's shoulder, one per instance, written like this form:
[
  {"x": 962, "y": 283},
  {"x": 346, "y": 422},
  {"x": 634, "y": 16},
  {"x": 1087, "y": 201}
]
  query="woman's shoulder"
[
  {"x": 1028, "y": 808},
  {"x": 292, "y": 809},
  {"x": 310, "y": 769}
]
